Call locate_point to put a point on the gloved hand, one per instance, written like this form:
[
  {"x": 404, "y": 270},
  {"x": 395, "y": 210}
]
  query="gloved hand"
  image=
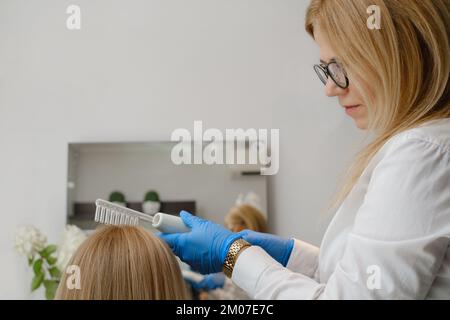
[
  {"x": 278, "y": 248},
  {"x": 210, "y": 282},
  {"x": 205, "y": 247}
]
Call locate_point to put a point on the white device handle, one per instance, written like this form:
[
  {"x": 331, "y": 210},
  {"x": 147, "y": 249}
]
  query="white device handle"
[{"x": 167, "y": 223}]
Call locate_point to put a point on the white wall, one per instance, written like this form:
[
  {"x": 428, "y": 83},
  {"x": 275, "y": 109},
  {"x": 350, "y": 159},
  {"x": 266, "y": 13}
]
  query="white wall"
[{"x": 137, "y": 70}]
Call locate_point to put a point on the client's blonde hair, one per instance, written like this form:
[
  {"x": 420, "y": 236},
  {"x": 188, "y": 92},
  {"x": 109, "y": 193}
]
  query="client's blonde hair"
[
  {"x": 122, "y": 263},
  {"x": 247, "y": 217}
]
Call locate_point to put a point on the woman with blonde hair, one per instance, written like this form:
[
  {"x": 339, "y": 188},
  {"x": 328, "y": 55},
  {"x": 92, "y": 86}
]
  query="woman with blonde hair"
[
  {"x": 123, "y": 263},
  {"x": 245, "y": 217},
  {"x": 387, "y": 62}
]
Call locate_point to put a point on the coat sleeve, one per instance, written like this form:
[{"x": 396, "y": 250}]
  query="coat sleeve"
[
  {"x": 304, "y": 259},
  {"x": 397, "y": 242}
]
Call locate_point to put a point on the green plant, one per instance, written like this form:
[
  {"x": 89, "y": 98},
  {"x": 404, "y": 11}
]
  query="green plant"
[
  {"x": 47, "y": 261},
  {"x": 45, "y": 271},
  {"x": 151, "y": 196},
  {"x": 117, "y": 196}
]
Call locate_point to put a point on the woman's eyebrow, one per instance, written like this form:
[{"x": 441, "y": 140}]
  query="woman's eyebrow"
[{"x": 331, "y": 60}]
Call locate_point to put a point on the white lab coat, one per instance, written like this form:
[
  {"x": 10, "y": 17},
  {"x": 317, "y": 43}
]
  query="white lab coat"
[{"x": 388, "y": 240}]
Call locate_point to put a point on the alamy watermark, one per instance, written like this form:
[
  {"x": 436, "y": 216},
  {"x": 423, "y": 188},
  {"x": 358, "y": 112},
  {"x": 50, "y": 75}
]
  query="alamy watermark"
[
  {"x": 236, "y": 146},
  {"x": 374, "y": 20},
  {"x": 374, "y": 279},
  {"x": 73, "y": 21},
  {"x": 73, "y": 281}
]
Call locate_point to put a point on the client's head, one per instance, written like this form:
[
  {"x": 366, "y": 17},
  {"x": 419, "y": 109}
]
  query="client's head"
[
  {"x": 121, "y": 263},
  {"x": 245, "y": 217}
]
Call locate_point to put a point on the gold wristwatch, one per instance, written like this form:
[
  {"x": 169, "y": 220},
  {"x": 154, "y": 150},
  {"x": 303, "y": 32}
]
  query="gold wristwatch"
[{"x": 233, "y": 252}]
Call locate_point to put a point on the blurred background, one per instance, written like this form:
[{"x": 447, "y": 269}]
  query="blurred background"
[{"x": 87, "y": 112}]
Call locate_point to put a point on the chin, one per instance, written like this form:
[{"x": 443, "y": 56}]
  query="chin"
[{"x": 361, "y": 124}]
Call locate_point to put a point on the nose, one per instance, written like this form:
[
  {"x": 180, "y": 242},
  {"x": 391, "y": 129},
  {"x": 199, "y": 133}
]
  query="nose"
[{"x": 332, "y": 90}]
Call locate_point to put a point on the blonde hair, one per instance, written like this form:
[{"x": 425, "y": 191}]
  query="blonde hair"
[
  {"x": 247, "y": 217},
  {"x": 124, "y": 263},
  {"x": 402, "y": 70}
]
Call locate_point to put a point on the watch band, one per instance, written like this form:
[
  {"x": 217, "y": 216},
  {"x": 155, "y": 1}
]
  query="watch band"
[{"x": 233, "y": 252}]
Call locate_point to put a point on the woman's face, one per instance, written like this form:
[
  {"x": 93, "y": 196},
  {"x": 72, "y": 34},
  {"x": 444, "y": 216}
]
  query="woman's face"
[{"x": 349, "y": 98}]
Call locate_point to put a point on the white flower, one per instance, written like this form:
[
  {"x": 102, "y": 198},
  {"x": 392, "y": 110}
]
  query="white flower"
[
  {"x": 29, "y": 241},
  {"x": 71, "y": 240}
]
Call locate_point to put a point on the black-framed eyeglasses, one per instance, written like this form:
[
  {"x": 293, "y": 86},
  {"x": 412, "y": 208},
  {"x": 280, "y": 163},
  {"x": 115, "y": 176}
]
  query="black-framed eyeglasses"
[{"x": 335, "y": 71}]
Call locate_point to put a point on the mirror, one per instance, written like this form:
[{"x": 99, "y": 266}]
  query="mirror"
[{"x": 96, "y": 170}]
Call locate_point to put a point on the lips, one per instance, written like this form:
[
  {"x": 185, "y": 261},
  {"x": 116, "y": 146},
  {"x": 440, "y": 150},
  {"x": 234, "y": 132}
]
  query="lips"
[{"x": 351, "y": 109}]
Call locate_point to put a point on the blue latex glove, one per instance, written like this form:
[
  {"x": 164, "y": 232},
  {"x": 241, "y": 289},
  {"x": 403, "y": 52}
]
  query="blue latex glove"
[
  {"x": 210, "y": 282},
  {"x": 205, "y": 247},
  {"x": 278, "y": 248}
]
